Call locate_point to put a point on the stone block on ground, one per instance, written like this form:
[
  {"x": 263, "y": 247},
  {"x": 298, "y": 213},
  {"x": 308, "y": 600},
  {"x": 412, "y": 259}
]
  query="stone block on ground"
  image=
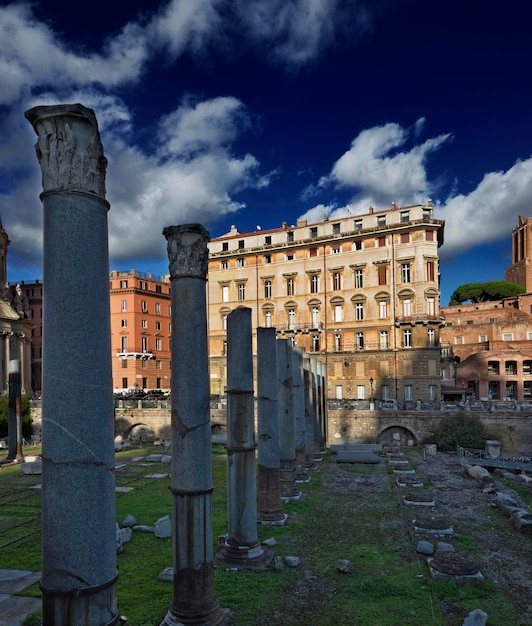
[{"x": 357, "y": 456}]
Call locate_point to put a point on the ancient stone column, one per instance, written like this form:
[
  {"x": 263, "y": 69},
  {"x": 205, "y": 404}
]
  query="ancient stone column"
[
  {"x": 193, "y": 601},
  {"x": 15, "y": 452},
  {"x": 242, "y": 547},
  {"x": 299, "y": 415},
  {"x": 287, "y": 450},
  {"x": 309, "y": 414},
  {"x": 79, "y": 570},
  {"x": 269, "y": 507},
  {"x": 314, "y": 381}
]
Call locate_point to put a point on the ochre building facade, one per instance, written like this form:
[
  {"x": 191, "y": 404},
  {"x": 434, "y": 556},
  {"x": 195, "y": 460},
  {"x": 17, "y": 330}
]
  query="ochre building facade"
[{"x": 361, "y": 293}]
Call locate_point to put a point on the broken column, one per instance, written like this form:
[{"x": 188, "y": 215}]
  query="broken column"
[
  {"x": 193, "y": 601},
  {"x": 79, "y": 571},
  {"x": 242, "y": 547},
  {"x": 269, "y": 508},
  {"x": 299, "y": 415},
  {"x": 287, "y": 449}
]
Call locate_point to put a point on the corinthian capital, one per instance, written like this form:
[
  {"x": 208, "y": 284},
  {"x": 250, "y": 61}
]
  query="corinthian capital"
[
  {"x": 187, "y": 250},
  {"x": 68, "y": 148}
]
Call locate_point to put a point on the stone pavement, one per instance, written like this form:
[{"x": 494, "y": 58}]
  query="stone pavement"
[{"x": 15, "y": 609}]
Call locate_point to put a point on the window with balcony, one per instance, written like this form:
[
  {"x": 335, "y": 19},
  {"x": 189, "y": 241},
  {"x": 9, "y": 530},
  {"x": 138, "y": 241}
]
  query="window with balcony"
[{"x": 431, "y": 307}]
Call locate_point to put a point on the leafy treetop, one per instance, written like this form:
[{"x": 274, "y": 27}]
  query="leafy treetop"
[{"x": 485, "y": 292}]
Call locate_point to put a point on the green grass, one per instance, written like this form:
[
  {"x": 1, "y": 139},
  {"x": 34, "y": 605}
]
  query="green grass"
[{"x": 389, "y": 584}]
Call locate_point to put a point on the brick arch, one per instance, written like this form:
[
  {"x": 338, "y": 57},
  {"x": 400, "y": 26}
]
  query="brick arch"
[{"x": 386, "y": 435}]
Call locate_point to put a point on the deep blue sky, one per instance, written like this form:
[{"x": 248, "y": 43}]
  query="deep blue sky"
[{"x": 253, "y": 112}]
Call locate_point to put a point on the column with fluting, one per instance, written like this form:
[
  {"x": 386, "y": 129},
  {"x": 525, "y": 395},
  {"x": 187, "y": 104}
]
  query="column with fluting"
[
  {"x": 193, "y": 600},
  {"x": 269, "y": 507},
  {"x": 79, "y": 571},
  {"x": 287, "y": 448}
]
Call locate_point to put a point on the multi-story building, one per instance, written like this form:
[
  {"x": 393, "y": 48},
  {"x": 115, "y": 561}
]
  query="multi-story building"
[
  {"x": 140, "y": 331},
  {"x": 491, "y": 342},
  {"x": 360, "y": 292}
]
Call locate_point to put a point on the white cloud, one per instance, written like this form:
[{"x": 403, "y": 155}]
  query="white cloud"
[{"x": 486, "y": 214}]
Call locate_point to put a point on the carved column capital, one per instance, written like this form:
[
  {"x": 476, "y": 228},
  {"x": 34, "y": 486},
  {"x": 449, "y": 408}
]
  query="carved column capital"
[
  {"x": 69, "y": 149},
  {"x": 187, "y": 250}
]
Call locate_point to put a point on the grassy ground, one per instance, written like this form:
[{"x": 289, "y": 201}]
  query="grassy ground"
[{"x": 389, "y": 586}]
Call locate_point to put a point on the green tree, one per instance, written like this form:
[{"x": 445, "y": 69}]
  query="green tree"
[
  {"x": 485, "y": 292},
  {"x": 26, "y": 416},
  {"x": 460, "y": 429}
]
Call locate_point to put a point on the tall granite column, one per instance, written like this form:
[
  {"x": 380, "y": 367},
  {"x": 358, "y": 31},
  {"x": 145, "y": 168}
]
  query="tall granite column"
[
  {"x": 287, "y": 450},
  {"x": 269, "y": 508},
  {"x": 79, "y": 571},
  {"x": 242, "y": 547},
  {"x": 14, "y": 413},
  {"x": 298, "y": 391},
  {"x": 193, "y": 601},
  {"x": 309, "y": 414}
]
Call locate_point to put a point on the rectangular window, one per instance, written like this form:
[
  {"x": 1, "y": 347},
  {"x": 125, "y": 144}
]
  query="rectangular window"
[
  {"x": 381, "y": 220},
  {"x": 511, "y": 368},
  {"x": 123, "y": 305},
  {"x": 291, "y": 319},
  {"x": 158, "y": 289},
  {"x": 382, "y": 274},
  {"x": 385, "y": 392},
  {"x": 338, "y": 393},
  {"x": 313, "y": 232},
  {"x": 360, "y": 341},
  {"x": 158, "y": 383},
  {"x": 336, "y": 229},
  {"x": 224, "y": 265},
  {"x": 405, "y": 216},
  {"x": 313, "y": 252},
  {"x": 315, "y": 317},
  {"x": 157, "y": 308},
  {"x": 337, "y": 342},
  {"x": 383, "y": 340},
  {"x": 225, "y": 246},
  {"x": 429, "y": 235},
  {"x": 430, "y": 307},
  {"x": 381, "y": 242},
  {"x": 267, "y": 288},
  {"x": 124, "y": 383},
  {"x": 431, "y": 338},
  {"x": 290, "y": 286},
  {"x": 144, "y": 342},
  {"x": 336, "y": 281},
  {"x": 225, "y": 293},
  {"x": 240, "y": 262},
  {"x": 123, "y": 284},
  {"x": 482, "y": 338},
  {"x": 267, "y": 240},
  {"x": 290, "y": 236},
  {"x": 359, "y": 311},
  {"x": 144, "y": 306},
  {"x": 268, "y": 319},
  {"x": 430, "y": 271},
  {"x": 158, "y": 344},
  {"x": 459, "y": 340},
  {"x": 507, "y": 336},
  {"x": 144, "y": 323},
  {"x": 157, "y": 325},
  {"x": 314, "y": 283},
  {"x": 124, "y": 323},
  {"x": 241, "y": 244},
  {"x": 404, "y": 238},
  {"x": 267, "y": 258},
  {"x": 336, "y": 249},
  {"x": 405, "y": 272},
  {"x": 407, "y": 338},
  {"x": 158, "y": 365},
  {"x": 383, "y": 309},
  {"x": 361, "y": 392},
  {"x": 357, "y": 245},
  {"x": 124, "y": 344},
  {"x": 407, "y": 307},
  {"x": 359, "y": 279},
  {"x": 527, "y": 367},
  {"x": 144, "y": 285},
  {"x": 315, "y": 343},
  {"x": 408, "y": 392},
  {"x": 144, "y": 364},
  {"x": 338, "y": 313},
  {"x": 289, "y": 256},
  {"x": 241, "y": 292},
  {"x": 358, "y": 224},
  {"x": 124, "y": 363}
]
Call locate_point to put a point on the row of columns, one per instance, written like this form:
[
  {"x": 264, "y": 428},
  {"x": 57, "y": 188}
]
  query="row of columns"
[{"x": 79, "y": 569}]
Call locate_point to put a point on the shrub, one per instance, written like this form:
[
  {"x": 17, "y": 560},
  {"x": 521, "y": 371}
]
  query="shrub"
[
  {"x": 460, "y": 429},
  {"x": 26, "y": 416}
]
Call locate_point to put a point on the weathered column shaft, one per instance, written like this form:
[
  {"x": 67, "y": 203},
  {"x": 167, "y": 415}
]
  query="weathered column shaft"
[
  {"x": 15, "y": 452},
  {"x": 269, "y": 508},
  {"x": 242, "y": 546},
  {"x": 287, "y": 450},
  {"x": 194, "y": 601},
  {"x": 309, "y": 414},
  {"x": 78, "y": 484},
  {"x": 316, "y": 407},
  {"x": 299, "y": 414}
]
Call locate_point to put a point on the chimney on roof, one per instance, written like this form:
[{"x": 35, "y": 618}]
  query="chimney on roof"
[{"x": 301, "y": 223}]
